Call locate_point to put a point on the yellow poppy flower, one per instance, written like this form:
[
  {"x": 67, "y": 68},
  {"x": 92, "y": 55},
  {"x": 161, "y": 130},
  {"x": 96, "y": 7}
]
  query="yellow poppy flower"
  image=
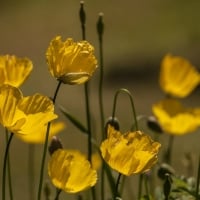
[
  {"x": 176, "y": 119},
  {"x": 13, "y": 70},
  {"x": 178, "y": 77},
  {"x": 70, "y": 171},
  {"x": 71, "y": 62},
  {"x": 129, "y": 153},
  {"x": 39, "y": 137},
  {"x": 24, "y": 115}
]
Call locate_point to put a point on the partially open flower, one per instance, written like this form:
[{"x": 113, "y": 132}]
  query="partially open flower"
[
  {"x": 13, "y": 70},
  {"x": 70, "y": 171},
  {"x": 71, "y": 62},
  {"x": 178, "y": 77},
  {"x": 24, "y": 115},
  {"x": 129, "y": 153},
  {"x": 176, "y": 119}
]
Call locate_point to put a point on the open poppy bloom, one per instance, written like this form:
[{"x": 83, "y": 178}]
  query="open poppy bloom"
[
  {"x": 24, "y": 115},
  {"x": 176, "y": 119},
  {"x": 39, "y": 137},
  {"x": 71, "y": 62},
  {"x": 178, "y": 77},
  {"x": 129, "y": 153},
  {"x": 13, "y": 70},
  {"x": 70, "y": 171}
]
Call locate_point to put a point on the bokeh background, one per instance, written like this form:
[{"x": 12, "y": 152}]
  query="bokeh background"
[{"x": 138, "y": 33}]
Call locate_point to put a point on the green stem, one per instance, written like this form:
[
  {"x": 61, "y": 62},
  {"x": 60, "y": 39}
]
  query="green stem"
[
  {"x": 46, "y": 146},
  {"x": 82, "y": 16},
  {"x": 168, "y": 155},
  {"x": 140, "y": 186},
  {"x": 147, "y": 187},
  {"x": 117, "y": 185},
  {"x": 198, "y": 181},
  {"x": 58, "y": 191},
  {"x": 31, "y": 174},
  {"x": 6, "y": 155},
  {"x": 100, "y": 29},
  {"x": 132, "y": 105},
  {"x": 9, "y": 171}
]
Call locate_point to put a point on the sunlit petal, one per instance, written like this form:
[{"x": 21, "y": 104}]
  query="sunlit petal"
[{"x": 70, "y": 171}]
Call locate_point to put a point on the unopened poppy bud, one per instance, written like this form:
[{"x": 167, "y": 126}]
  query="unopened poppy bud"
[
  {"x": 113, "y": 122},
  {"x": 167, "y": 186},
  {"x": 165, "y": 169},
  {"x": 82, "y": 13},
  {"x": 154, "y": 125},
  {"x": 55, "y": 145}
]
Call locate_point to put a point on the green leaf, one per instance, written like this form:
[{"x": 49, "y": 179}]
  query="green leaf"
[{"x": 74, "y": 121}]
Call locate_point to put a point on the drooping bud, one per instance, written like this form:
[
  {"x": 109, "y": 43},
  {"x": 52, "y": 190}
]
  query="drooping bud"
[
  {"x": 165, "y": 169},
  {"x": 113, "y": 122},
  {"x": 55, "y": 145},
  {"x": 153, "y": 125}
]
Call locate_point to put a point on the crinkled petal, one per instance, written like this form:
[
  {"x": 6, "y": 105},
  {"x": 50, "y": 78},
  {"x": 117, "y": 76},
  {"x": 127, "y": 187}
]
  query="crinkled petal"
[
  {"x": 9, "y": 98},
  {"x": 39, "y": 110},
  {"x": 39, "y": 137},
  {"x": 13, "y": 70},
  {"x": 70, "y": 171},
  {"x": 178, "y": 77},
  {"x": 71, "y": 62},
  {"x": 176, "y": 119},
  {"x": 129, "y": 153}
]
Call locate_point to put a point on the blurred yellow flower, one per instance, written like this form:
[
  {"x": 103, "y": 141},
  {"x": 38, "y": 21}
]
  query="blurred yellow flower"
[
  {"x": 129, "y": 153},
  {"x": 176, "y": 119},
  {"x": 96, "y": 161},
  {"x": 13, "y": 70},
  {"x": 39, "y": 137},
  {"x": 178, "y": 77},
  {"x": 70, "y": 171},
  {"x": 71, "y": 62},
  {"x": 24, "y": 115}
]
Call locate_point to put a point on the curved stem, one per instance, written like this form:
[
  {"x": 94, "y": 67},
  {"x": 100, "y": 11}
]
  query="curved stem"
[
  {"x": 4, "y": 166},
  {"x": 132, "y": 105},
  {"x": 46, "y": 146}
]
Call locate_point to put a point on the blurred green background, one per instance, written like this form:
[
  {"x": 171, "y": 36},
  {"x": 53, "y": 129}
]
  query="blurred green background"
[{"x": 138, "y": 33}]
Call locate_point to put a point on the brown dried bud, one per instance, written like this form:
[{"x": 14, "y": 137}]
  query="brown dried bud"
[{"x": 154, "y": 125}]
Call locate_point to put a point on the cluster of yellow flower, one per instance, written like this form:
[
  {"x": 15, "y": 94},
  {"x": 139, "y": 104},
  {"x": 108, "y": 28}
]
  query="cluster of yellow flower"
[
  {"x": 178, "y": 79},
  {"x": 27, "y": 117}
]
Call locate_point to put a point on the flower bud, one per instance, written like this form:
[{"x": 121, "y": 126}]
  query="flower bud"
[
  {"x": 167, "y": 186},
  {"x": 113, "y": 122},
  {"x": 165, "y": 169},
  {"x": 153, "y": 125},
  {"x": 55, "y": 145}
]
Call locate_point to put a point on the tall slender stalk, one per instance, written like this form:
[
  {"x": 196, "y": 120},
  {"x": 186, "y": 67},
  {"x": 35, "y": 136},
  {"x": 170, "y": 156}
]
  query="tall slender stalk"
[
  {"x": 46, "y": 146},
  {"x": 100, "y": 30},
  {"x": 82, "y": 16},
  {"x": 4, "y": 167}
]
